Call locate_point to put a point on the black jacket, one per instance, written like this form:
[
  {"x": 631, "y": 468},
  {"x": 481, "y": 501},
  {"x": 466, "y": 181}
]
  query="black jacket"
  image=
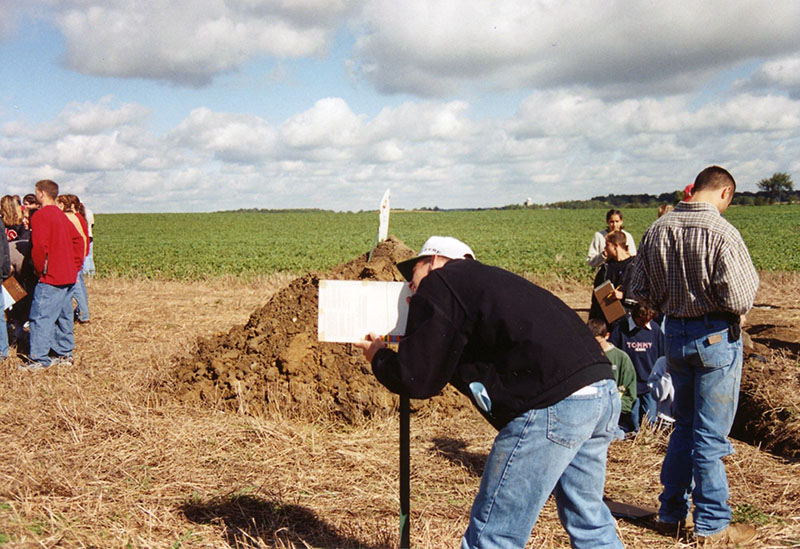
[
  {"x": 5, "y": 256},
  {"x": 618, "y": 272},
  {"x": 481, "y": 327}
]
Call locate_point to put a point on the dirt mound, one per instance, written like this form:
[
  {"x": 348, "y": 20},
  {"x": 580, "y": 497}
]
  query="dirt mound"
[{"x": 275, "y": 360}]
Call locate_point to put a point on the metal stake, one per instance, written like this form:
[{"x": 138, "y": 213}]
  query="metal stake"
[{"x": 405, "y": 472}]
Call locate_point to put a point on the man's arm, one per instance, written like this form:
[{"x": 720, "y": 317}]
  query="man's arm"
[
  {"x": 40, "y": 241},
  {"x": 640, "y": 279},
  {"x": 595, "y": 257},
  {"x": 629, "y": 240},
  {"x": 735, "y": 280},
  {"x": 627, "y": 380},
  {"x": 430, "y": 351}
]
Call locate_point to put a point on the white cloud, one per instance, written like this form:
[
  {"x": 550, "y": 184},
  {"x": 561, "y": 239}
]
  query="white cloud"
[
  {"x": 624, "y": 48},
  {"x": 10, "y": 13},
  {"x": 423, "y": 121},
  {"x": 781, "y": 74},
  {"x": 329, "y": 123},
  {"x": 188, "y": 42},
  {"x": 93, "y": 153},
  {"x": 92, "y": 118},
  {"x": 559, "y": 145},
  {"x": 226, "y": 136}
]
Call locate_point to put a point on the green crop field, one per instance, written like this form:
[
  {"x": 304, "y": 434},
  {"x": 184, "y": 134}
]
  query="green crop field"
[{"x": 551, "y": 243}]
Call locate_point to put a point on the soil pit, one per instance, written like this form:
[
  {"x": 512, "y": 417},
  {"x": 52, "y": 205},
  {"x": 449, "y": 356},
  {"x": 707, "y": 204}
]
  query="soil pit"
[{"x": 274, "y": 361}]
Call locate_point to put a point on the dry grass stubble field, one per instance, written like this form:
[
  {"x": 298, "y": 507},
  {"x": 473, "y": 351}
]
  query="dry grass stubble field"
[{"x": 98, "y": 455}]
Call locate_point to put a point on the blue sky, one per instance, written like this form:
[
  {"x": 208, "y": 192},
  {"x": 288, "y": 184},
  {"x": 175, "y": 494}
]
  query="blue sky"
[{"x": 178, "y": 105}]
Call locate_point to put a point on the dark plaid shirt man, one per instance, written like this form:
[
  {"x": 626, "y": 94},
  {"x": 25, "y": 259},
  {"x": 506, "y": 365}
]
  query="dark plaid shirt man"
[{"x": 693, "y": 266}]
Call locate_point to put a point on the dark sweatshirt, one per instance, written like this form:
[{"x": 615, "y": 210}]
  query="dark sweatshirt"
[{"x": 493, "y": 334}]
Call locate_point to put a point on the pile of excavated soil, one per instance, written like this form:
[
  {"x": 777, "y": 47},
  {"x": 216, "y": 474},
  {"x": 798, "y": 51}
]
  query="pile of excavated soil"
[{"x": 275, "y": 361}]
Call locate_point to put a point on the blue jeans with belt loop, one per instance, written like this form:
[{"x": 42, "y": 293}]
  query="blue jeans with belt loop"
[
  {"x": 561, "y": 450},
  {"x": 706, "y": 370}
]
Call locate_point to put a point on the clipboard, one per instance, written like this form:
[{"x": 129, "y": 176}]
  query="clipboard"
[
  {"x": 350, "y": 309},
  {"x": 611, "y": 306},
  {"x": 12, "y": 292}
]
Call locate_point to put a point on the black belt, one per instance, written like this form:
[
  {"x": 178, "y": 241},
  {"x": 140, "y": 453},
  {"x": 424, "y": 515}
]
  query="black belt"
[{"x": 730, "y": 318}]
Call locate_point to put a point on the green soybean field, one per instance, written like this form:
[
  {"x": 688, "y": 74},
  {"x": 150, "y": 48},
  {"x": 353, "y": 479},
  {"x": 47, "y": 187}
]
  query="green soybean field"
[{"x": 547, "y": 243}]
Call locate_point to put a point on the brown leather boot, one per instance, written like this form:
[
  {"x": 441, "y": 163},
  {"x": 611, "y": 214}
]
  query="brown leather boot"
[
  {"x": 735, "y": 535},
  {"x": 675, "y": 529}
]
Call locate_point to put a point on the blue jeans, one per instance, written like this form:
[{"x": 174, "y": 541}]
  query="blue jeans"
[
  {"x": 51, "y": 322},
  {"x": 561, "y": 450},
  {"x": 3, "y": 335},
  {"x": 706, "y": 369},
  {"x": 645, "y": 406},
  {"x": 88, "y": 263},
  {"x": 82, "y": 299}
]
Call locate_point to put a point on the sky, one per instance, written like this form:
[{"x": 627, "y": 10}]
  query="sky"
[{"x": 206, "y": 105}]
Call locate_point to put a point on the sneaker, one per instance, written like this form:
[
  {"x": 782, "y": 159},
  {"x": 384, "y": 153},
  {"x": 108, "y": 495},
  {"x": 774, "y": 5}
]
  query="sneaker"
[
  {"x": 33, "y": 366},
  {"x": 735, "y": 535},
  {"x": 62, "y": 360}
]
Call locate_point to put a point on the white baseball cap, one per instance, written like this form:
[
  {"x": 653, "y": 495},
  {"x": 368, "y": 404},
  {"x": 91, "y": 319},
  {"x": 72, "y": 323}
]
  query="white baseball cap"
[{"x": 444, "y": 246}]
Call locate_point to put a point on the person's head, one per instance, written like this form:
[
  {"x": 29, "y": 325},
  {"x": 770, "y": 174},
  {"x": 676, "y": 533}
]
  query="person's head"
[
  {"x": 617, "y": 246},
  {"x": 687, "y": 192},
  {"x": 642, "y": 314},
  {"x": 63, "y": 203},
  {"x": 77, "y": 205},
  {"x": 599, "y": 328},
  {"x": 435, "y": 253},
  {"x": 665, "y": 209},
  {"x": 46, "y": 191},
  {"x": 10, "y": 211},
  {"x": 714, "y": 185},
  {"x": 614, "y": 220},
  {"x": 30, "y": 201}
]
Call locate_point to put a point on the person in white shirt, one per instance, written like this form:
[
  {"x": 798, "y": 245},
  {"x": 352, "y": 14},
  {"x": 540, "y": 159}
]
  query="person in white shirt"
[{"x": 597, "y": 253}]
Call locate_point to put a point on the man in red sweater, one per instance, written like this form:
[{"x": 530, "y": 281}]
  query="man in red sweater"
[{"x": 57, "y": 253}]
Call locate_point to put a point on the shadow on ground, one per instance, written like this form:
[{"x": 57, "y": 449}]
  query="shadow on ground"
[
  {"x": 250, "y": 521},
  {"x": 775, "y": 337},
  {"x": 455, "y": 450}
]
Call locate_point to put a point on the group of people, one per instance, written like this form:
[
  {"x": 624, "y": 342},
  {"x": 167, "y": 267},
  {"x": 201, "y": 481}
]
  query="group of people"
[
  {"x": 536, "y": 372},
  {"x": 47, "y": 250},
  {"x": 635, "y": 343}
]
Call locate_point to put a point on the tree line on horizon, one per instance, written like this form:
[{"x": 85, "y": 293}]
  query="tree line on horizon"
[{"x": 779, "y": 188}]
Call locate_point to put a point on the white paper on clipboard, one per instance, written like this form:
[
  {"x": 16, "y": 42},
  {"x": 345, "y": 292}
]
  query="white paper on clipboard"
[
  {"x": 8, "y": 301},
  {"x": 350, "y": 309}
]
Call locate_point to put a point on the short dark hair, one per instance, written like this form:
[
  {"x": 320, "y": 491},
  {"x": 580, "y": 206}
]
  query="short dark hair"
[
  {"x": 643, "y": 311},
  {"x": 618, "y": 238},
  {"x": 713, "y": 177},
  {"x": 611, "y": 212},
  {"x": 29, "y": 198},
  {"x": 48, "y": 187},
  {"x": 598, "y": 327}
]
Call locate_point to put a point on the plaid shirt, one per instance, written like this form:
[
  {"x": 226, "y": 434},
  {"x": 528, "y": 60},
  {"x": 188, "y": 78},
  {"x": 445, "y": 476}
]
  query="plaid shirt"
[{"x": 691, "y": 261}]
